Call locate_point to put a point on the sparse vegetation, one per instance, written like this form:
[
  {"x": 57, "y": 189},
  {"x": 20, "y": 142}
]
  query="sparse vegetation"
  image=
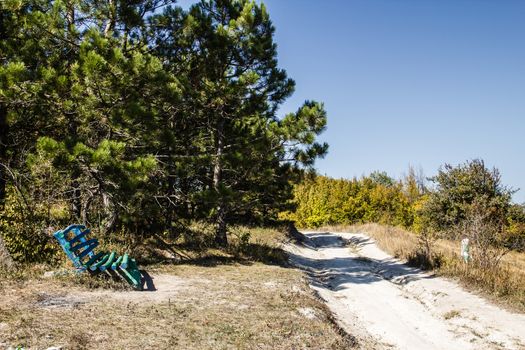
[
  {"x": 470, "y": 201},
  {"x": 451, "y": 314},
  {"x": 226, "y": 306},
  {"x": 214, "y": 299}
]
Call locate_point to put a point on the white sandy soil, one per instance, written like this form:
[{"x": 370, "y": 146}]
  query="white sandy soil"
[{"x": 399, "y": 307}]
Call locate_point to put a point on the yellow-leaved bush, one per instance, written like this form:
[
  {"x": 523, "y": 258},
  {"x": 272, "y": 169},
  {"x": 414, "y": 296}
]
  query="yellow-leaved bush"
[{"x": 321, "y": 200}]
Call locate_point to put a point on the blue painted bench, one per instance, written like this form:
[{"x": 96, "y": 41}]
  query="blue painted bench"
[{"x": 80, "y": 249}]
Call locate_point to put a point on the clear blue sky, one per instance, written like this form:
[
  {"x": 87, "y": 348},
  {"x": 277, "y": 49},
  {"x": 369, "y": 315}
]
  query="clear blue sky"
[{"x": 410, "y": 81}]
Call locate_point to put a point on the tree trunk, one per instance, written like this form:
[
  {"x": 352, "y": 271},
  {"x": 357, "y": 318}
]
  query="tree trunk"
[
  {"x": 221, "y": 237},
  {"x": 110, "y": 25},
  {"x": 5, "y": 258},
  {"x": 4, "y": 129},
  {"x": 76, "y": 199},
  {"x": 110, "y": 210},
  {"x": 169, "y": 210}
]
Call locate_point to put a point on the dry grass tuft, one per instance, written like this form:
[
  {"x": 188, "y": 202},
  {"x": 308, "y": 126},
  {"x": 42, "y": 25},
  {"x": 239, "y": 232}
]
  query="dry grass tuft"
[
  {"x": 451, "y": 314},
  {"x": 6, "y": 262}
]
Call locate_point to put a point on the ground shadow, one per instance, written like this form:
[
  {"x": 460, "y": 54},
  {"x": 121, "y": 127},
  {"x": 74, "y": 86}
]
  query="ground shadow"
[
  {"x": 148, "y": 285},
  {"x": 359, "y": 242},
  {"x": 211, "y": 260},
  {"x": 325, "y": 240},
  {"x": 339, "y": 273},
  {"x": 244, "y": 254}
]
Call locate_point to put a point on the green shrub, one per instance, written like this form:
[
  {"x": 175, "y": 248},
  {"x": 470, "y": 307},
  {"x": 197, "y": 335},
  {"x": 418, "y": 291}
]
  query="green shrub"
[
  {"x": 25, "y": 232},
  {"x": 378, "y": 198}
]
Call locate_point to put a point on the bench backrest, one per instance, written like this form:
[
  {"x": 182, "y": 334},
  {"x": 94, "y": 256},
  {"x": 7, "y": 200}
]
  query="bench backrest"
[{"x": 76, "y": 245}]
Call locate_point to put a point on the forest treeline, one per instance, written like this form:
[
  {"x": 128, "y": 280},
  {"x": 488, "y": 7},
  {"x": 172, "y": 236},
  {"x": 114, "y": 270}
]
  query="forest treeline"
[
  {"x": 467, "y": 200},
  {"x": 139, "y": 116}
]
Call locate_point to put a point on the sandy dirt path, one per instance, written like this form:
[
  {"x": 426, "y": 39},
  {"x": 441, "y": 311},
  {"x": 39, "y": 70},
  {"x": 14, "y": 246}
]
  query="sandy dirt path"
[{"x": 377, "y": 298}]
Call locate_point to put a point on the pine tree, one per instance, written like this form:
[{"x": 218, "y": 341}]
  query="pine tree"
[
  {"x": 140, "y": 116},
  {"x": 232, "y": 89},
  {"x": 79, "y": 72}
]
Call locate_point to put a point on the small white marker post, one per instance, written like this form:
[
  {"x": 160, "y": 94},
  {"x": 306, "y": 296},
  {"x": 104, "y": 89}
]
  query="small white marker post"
[{"x": 465, "y": 250}]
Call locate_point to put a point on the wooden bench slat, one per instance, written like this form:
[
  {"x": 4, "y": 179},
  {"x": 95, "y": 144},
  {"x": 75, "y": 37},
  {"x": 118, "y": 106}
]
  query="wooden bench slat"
[
  {"x": 88, "y": 250},
  {"x": 124, "y": 263},
  {"x": 116, "y": 263},
  {"x": 99, "y": 263},
  {"x": 94, "y": 258},
  {"x": 108, "y": 261},
  {"x": 83, "y": 244},
  {"x": 79, "y": 237}
]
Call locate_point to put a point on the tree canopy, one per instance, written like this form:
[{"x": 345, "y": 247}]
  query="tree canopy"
[{"x": 141, "y": 115}]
